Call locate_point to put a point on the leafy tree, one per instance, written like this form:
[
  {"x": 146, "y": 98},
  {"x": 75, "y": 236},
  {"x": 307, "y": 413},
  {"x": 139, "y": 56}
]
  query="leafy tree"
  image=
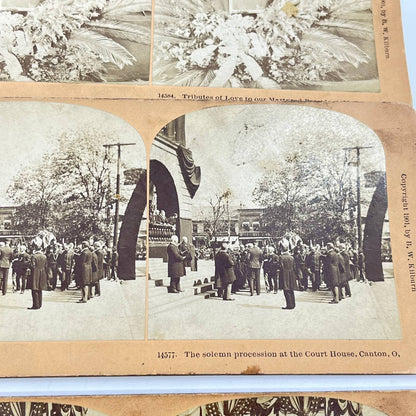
[
  {"x": 284, "y": 192},
  {"x": 333, "y": 209},
  {"x": 314, "y": 197},
  {"x": 69, "y": 193},
  {"x": 33, "y": 192}
]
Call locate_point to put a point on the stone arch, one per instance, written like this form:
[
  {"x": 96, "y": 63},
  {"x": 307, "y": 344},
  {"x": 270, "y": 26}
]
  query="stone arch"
[
  {"x": 161, "y": 180},
  {"x": 129, "y": 230},
  {"x": 167, "y": 195},
  {"x": 373, "y": 231}
]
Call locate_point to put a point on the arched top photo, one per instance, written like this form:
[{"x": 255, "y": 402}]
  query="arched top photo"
[
  {"x": 45, "y": 409},
  {"x": 284, "y": 406},
  {"x": 75, "y": 41},
  {"x": 73, "y": 190},
  {"x": 273, "y": 44},
  {"x": 273, "y": 207}
]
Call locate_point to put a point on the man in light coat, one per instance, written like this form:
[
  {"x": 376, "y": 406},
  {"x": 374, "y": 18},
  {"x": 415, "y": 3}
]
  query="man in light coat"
[
  {"x": 6, "y": 256},
  {"x": 255, "y": 258}
]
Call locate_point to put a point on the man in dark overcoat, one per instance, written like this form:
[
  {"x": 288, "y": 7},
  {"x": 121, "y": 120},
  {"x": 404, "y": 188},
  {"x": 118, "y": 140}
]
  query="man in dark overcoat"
[
  {"x": 6, "y": 257},
  {"x": 274, "y": 268},
  {"x": 176, "y": 268},
  {"x": 39, "y": 278},
  {"x": 287, "y": 277},
  {"x": 185, "y": 250},
  {"x": 238, "y": 270},
  {"x": 333, "y": 271},
  {"x": 361, "y": 265},
  {"x": 66, "y": 263},
  {"x": 100, "y": 267},
  {"x": 94, "y": 275},
  {"x": 114, "y": 264},
  {"x": 23, "y": 270},
  {"x": 266, "y": 267},
  {"x": 254, "y": 259},
  {"x": 300, "y": 268},
  {"x": 346, "y": 275},
  {"x": 52, "y": 266},
  {"x": 224, "y": 269},
  {"x": 85, "y": 261},
  {"x": 313, "y": 263}
]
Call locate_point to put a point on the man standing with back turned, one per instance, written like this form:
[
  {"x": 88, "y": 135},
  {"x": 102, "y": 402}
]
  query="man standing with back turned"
[
  {"x": 255, "y": 258},
  {"x": 6, "y": 256}
]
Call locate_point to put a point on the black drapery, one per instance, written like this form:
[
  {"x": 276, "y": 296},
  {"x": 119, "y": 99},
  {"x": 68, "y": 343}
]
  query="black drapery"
[
  {"x": 130, "y": 227},
  {"x": 191, "y": 173},
  {"x": 373, "y": 232}
]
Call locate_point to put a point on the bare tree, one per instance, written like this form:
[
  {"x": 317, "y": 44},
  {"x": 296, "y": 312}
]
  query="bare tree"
[{"x": 216, "y": 222}]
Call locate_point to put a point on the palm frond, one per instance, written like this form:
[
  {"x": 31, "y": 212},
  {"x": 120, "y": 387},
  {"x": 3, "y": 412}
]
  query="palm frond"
[
  {"x": 349, "y": 28},
  {"x": 118, "y": 7},
  {"x": 166, "y": 72},
  {"x": 163, "y": 70},
  {"x": 175, "y": 9},
  {"x": 366, "y": 16},
  {"x": 336, "y": 46},
  {"x": 108, "y": 50},
  {"x": 166, "y": 36},
  {"x": 196, "y": 77},
  {"x": 128, "y": 17},
  {"x": 266, "y": 83},
  {"x": 122, "y": 30},
  {"x": 347, "y": 6},
  {"x": 139, "y": 37},
  {"x": 353, "y": 34}
]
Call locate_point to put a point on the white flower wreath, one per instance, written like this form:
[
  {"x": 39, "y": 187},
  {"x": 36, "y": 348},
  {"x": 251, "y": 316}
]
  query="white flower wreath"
[{"x": 288, "y": 43}]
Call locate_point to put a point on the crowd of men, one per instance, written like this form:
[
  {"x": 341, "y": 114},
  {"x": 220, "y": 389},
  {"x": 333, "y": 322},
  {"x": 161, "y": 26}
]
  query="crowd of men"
[
  {"x": 289, "y": 269},
  {"x": 41, "y": 267},
  {"x": 284, "y": 267}
]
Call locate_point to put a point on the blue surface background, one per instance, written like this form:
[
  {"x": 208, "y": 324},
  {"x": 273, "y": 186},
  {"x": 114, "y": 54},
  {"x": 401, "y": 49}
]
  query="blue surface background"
[
  {"x": 409, "y": 28},
  {"x": 224, "y": 384}
]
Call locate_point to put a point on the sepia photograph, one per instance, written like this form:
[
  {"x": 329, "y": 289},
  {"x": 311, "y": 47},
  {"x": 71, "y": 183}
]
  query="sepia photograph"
[
  {"x": 284, "y": 406},
  {"x": 72, "y": 229},
  {"x": 370, "y": 403},
  {"x": 44, "y": 409},
  {"x": 269, "y": 222},
  {"x": 323, "y": 45},
  {"x": 75, "y": 41}
]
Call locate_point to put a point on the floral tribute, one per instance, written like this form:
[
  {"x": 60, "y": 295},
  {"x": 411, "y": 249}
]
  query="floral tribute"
[
  {"x": 71, "y": 40},
  {"x": 286, "y": 43}
]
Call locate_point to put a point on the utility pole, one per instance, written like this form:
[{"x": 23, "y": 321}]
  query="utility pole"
[
  {"x": 229, "y": 223},
  {"x": 117, "y": 213},
  {"x": 358, "y": 162}
]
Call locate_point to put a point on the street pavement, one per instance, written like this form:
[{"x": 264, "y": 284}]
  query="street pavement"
[
  {"x": 118, "y": 314},
  {"x": 371, "y": 313}
]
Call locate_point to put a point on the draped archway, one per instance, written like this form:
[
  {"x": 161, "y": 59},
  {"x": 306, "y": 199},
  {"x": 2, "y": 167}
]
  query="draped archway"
[
  {"x": 130, "y": 227},
  {"x": 373, "y": 232},
  {"x": 167, "y": 195}
]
